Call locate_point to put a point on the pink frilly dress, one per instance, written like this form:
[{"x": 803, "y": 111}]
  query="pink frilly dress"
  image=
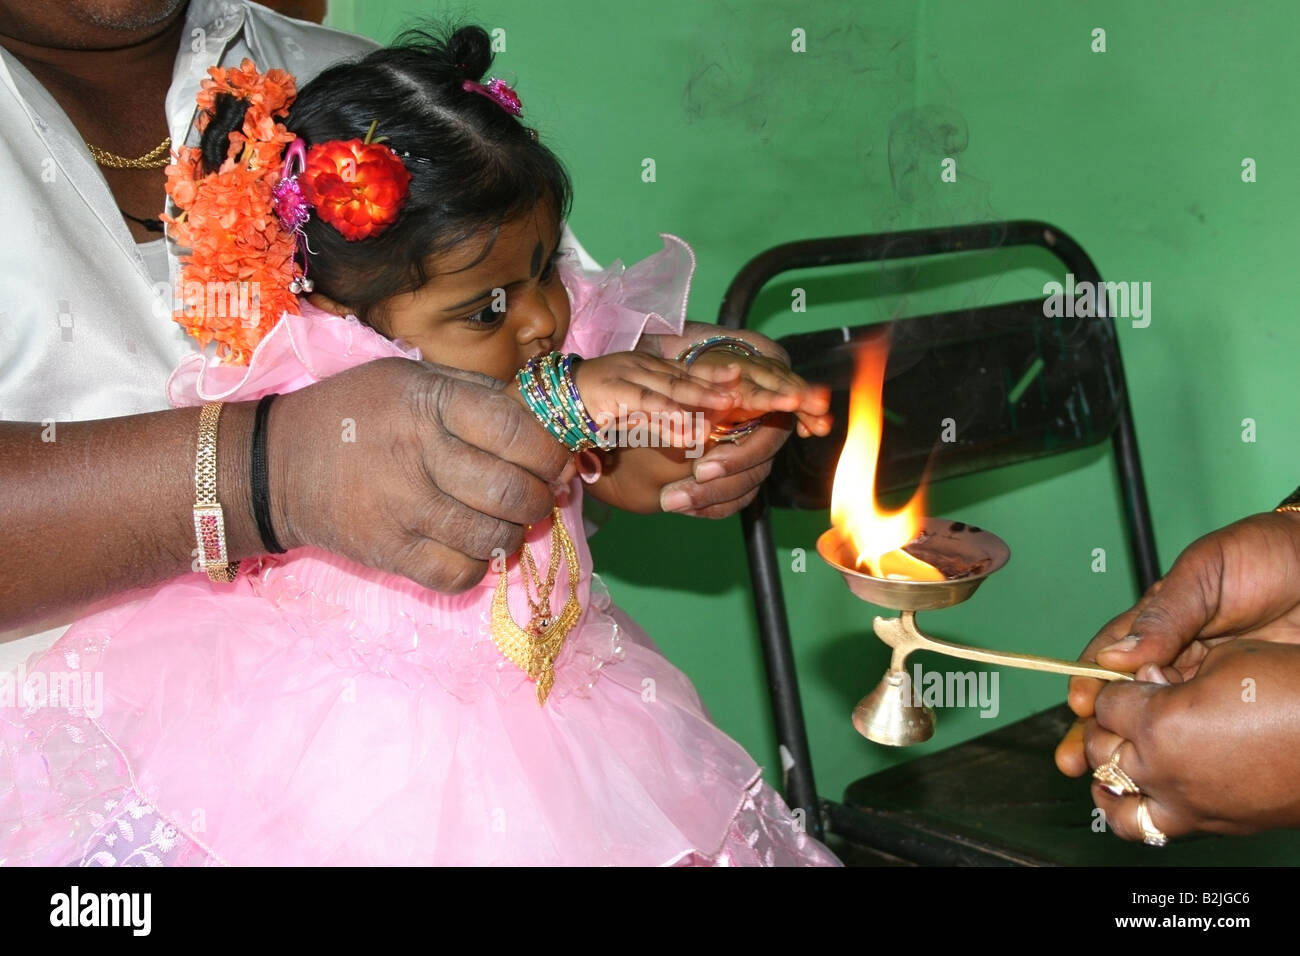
[{"x": 317, "y": 712}]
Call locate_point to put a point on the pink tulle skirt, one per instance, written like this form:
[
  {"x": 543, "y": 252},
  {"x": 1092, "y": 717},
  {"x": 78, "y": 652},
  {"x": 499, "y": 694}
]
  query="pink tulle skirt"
[{"x": 254, "y": 724}]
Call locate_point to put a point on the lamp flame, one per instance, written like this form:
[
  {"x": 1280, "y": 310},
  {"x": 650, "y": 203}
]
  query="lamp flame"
[{"x": 876, "y": 536}]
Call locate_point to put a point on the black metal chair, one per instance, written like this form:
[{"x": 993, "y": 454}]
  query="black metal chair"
[{"x": 1030, "y": 385}]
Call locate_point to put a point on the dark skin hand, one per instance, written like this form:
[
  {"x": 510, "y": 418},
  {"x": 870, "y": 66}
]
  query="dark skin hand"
[
  {"x": 1213, "y": 754},
  {"x": 1209, "y": 730}
]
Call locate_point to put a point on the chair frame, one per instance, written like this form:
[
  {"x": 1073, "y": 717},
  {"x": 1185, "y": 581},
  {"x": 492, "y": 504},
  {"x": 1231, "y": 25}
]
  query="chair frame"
[{"x": 769, "y": 598}]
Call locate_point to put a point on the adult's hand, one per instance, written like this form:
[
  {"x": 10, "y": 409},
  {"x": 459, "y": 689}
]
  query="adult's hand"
[
  {"x": 727, "y": 476},
  {"x": 1242, "y": 581},
  {"x": 1215, "y": 753},
  {"x": 413, "y": 468},
  {"x": 399, "y": 465}
]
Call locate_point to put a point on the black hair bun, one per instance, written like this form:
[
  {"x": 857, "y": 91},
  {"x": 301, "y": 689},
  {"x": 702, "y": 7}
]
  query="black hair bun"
[
  {"x": 470, "y": 49},
  {"x": 227, "y": 116}
]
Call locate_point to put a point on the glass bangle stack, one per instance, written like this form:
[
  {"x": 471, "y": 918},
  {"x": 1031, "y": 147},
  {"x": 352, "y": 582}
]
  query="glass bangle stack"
[{"x": 548, "y": 388}]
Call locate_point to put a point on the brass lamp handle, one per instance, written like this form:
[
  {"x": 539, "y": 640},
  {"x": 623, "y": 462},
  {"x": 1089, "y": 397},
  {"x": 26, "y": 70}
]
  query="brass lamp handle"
[{"x": 902, "y": 634}]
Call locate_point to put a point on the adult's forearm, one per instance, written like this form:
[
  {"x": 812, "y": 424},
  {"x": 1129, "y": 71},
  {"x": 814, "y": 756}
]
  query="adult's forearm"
[{"x": 89, "y": 509}]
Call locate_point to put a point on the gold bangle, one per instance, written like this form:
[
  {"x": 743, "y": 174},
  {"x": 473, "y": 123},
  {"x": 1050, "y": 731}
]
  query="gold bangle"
[
  {"x": 209, "y": 519},
  {"x": 1292, "y": 503}
]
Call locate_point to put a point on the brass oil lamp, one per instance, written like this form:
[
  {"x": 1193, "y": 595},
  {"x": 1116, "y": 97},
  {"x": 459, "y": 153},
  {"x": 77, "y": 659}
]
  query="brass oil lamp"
[{"x": 907, "y": 562}]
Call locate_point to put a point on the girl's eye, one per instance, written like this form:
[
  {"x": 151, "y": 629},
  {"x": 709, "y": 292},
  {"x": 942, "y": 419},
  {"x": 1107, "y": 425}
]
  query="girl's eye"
[{"x": 485, "y": 318}]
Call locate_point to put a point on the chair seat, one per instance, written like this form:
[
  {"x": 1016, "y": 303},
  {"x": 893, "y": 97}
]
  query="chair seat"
[{"x": 998, "y": 799}]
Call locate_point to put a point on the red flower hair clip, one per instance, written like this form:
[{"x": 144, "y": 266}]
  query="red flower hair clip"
[{"x": 357, "y": 187}]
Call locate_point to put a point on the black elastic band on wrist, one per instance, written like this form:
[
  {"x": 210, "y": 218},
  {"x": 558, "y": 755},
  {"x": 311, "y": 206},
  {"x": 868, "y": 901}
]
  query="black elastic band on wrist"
[{"x": 258, "y": 481}]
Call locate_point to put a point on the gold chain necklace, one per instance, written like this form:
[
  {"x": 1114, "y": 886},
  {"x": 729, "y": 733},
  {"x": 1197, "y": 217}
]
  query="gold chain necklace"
[
  {"x": 533, "y": 649},
  {"x": 541, "y": 607},
  {"x": 156, "y": 158}
]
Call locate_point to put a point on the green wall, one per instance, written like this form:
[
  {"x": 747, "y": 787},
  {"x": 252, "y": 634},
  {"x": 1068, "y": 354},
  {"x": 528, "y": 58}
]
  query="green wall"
[{"x": 1136, "y": 151}]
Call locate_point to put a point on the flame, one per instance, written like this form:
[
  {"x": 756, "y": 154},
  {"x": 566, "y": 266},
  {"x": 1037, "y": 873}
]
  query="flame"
[{"x": 877, "y": 536}]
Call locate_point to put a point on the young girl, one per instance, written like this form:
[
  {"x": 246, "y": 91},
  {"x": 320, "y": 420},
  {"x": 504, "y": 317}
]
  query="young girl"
[{"x": 314, "y": 711}]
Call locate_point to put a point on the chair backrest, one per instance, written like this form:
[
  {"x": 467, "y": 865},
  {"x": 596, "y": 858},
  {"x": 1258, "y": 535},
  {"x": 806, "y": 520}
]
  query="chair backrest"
[
  {"x": 964, "y": 391},
  {"x": 1016, "y": 382}
]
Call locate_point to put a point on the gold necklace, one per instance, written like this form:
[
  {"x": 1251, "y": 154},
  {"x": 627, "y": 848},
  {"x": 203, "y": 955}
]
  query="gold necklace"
[
  {"x": 156, "y": 158},
  {"x": 541, "y": 607},
  {"x": 533, "y": 649}
]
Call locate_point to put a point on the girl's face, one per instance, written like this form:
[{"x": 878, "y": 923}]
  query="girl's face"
[{"x": 490, "y": 316}]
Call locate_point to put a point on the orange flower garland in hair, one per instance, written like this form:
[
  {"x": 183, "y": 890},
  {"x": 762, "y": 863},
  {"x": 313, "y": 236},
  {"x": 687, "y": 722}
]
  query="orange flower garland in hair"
[
  {"x": 243, "y": 223},
  {"x": 235, "y": 279}
]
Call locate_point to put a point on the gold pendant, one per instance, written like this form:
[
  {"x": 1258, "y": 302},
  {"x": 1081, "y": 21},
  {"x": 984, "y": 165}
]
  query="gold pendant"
[{"x": 534, "y": 649}]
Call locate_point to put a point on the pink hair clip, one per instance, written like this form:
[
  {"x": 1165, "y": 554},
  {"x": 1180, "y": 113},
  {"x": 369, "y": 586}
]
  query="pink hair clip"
[
  {"x": 292, "y": 208},
  {"x": 499, "y": 92}
]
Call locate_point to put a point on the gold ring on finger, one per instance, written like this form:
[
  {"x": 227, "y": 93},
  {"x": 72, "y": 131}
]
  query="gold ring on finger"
[
  {"x": 1152, "y": 835},
  {"x": 1113, "y": 779}
]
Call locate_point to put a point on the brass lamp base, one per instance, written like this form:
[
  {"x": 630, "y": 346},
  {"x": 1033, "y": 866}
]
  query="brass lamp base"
[{"x": 890, "y": 716}]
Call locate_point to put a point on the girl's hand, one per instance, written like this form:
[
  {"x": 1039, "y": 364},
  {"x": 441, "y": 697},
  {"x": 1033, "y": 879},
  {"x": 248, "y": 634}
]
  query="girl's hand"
[
  {"x": 617, "y": 386},
  {"x": 761, "y": 384}
]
